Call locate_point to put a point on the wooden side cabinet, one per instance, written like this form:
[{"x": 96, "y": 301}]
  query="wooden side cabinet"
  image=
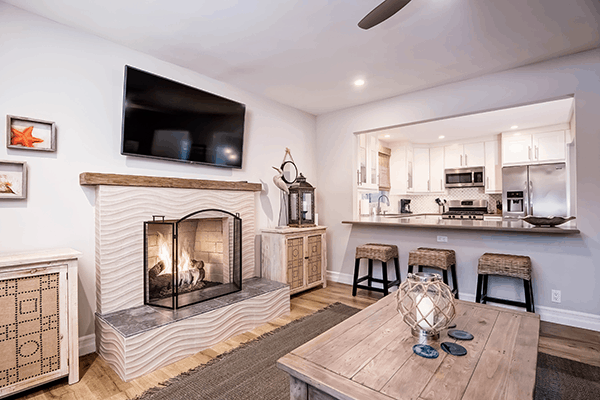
[
  {"x": 39, "y": 339},
  {"x": 296, "y": 256}
]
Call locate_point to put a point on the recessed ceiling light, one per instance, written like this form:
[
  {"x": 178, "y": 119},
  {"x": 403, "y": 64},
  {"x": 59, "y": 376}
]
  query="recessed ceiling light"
[
  {"x": 514, "y": 127},
  {"x": 441, "y": 137},
  {"x": 386, "y": 136},
  {"x": 359, "y": 82}
]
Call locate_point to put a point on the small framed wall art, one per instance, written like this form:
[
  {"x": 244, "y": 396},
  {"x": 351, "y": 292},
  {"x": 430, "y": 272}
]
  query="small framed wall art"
[
  {"x": 30, "y": 134},
  {"x": 13, "y": 180}
]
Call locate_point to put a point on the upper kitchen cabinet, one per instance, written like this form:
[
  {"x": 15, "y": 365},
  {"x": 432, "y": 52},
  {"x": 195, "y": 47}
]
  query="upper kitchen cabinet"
[
  {"x": 464, "y": 155},
  {"x": 367, "y": 175},
  {"x": 531, "y": 148},
  {"x": 401, "y": 169},
  {"x": 421, "y": 181},
  {"x": 493, "y": 167},
  {"x": 436, "y": 169}
]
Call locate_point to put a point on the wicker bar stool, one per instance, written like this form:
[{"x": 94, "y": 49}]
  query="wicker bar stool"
[
  {"x": 383, "y": 253},
  {"x": 504, "y": 265},
  {"x": 435, "y": 258}
]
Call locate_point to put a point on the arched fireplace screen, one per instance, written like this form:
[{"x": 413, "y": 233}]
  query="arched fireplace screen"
[{"x": 190, "y": 260}]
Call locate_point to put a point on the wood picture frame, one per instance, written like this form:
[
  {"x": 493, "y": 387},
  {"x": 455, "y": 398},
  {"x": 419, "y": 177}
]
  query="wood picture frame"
[
  {"x": 13, "y": 180},
  {"x": 30, "y": 134}
]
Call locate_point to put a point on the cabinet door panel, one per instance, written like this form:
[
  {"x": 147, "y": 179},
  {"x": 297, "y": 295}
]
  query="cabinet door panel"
[
  {"x": 436, "y": 170},
  {"x": 474, "y": 155},
  {"x": 549, "y": 146},
  {"x": 295, "y": 262},
  {"x": 453, "y": 156},
  {"x": 493, "y": 169},
  {"x": 516, "y": 149},
  {"x": 314, "y": 259},
  {"x": 421, "y": 170}
]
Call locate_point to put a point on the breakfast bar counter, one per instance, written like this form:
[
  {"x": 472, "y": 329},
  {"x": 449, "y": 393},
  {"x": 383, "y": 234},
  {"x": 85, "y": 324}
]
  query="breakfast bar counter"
[{"x": 429, "y": 221}]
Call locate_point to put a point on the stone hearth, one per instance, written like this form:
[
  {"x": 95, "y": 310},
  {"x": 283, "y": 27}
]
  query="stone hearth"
[{"x": 136, "y": 339}]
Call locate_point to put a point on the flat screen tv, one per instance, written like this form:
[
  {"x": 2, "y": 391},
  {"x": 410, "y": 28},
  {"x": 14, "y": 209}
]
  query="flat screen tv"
[{"x": 168, "y": 120}]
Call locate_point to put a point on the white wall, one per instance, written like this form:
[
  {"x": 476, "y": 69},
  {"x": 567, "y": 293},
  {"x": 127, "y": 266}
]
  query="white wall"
[
  {"x": 52, "y": 72},
  {"x": 568, "y": 263}
]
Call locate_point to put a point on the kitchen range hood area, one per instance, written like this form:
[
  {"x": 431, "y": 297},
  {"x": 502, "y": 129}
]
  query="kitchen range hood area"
[{"x": 470, "y": 172}]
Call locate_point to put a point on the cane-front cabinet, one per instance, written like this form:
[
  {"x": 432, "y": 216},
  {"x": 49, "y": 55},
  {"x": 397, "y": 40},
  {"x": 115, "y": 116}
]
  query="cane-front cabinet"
[
  {"x": 38, "y": 319},
  {"x": 296, "y": 256}
]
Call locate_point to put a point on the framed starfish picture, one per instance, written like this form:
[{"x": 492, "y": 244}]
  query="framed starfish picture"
[
  {"x": 13, "y": 180},
  {"x": 30, "y": 134}
]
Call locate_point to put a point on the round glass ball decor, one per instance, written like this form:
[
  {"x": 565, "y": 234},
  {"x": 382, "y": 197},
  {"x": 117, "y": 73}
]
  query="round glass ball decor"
[{"x": 426, "y": 304}]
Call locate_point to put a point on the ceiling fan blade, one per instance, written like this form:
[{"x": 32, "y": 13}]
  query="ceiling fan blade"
[{"x": 382, "y": 12}]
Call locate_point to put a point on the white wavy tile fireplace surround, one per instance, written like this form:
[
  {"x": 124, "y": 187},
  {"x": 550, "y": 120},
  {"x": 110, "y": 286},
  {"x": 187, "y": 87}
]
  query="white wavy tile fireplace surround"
[{"x": 136, "y": 339}]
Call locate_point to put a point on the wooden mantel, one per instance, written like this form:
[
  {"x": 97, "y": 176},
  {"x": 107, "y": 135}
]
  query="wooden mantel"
[{"x": 94, "y": 178}]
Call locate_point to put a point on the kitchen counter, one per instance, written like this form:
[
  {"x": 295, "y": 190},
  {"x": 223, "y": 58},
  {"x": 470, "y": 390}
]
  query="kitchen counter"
[{"x": 436, "y": 221}]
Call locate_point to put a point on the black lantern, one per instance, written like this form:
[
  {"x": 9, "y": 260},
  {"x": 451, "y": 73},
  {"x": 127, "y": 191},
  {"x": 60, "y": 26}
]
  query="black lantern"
[{"x": 301, "y": 209}]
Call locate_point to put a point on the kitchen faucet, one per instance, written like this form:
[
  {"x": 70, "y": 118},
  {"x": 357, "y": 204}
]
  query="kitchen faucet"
[{"x": 379, "y": 203}]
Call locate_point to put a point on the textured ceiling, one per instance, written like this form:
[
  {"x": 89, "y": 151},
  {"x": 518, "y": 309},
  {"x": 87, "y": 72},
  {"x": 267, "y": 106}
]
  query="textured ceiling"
[{"x": 307, "y": 53}]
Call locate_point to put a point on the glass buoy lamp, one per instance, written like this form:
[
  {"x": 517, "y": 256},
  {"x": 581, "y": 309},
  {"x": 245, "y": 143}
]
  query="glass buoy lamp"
[
  {"x": 426, "y": 304},
  {"x": 301, "y": 208}
]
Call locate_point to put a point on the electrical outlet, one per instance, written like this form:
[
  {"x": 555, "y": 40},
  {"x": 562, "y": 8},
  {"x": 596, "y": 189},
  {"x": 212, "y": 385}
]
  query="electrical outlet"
[
  {"x": 555, "y": 296},
  {"x": 442, "y": 239}
]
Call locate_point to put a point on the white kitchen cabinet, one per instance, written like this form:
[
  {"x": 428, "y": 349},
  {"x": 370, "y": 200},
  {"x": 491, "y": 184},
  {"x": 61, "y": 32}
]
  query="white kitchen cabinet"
[
  {"x": 474, "y": 154},
  {"x": 421, "y": 170},
  {"x": 401, "y": 159},
  {"x": 453, "y": 156},
  {"x": 549, "y": 146},
  {"x": 493, "y": 167},
  {"x": 436, "y": 169},
  {"x": 532, "y": 148},
  {"x": 464, "y": 155},
  {"x": 367, "y": 174}
]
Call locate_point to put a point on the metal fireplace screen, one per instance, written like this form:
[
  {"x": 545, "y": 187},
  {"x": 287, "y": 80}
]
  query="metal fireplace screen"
[{"x": 194, "y": 259}]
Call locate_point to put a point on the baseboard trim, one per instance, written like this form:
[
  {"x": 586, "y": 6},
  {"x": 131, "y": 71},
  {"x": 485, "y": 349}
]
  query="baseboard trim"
[
  {"x": 549, "y": 314},
  {"x": 87, "y": 344}
]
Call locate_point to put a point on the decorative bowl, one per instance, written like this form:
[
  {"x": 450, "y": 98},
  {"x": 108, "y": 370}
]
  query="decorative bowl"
[{"x": 546, "y": 221}]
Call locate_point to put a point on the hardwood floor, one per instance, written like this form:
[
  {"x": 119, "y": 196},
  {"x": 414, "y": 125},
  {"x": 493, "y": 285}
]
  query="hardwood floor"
[{"x": 98, "y": 381}]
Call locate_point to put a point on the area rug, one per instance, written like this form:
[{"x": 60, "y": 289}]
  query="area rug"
[
  {"x": 250, "y": 371},
  {"x": 561, "y": 379}
]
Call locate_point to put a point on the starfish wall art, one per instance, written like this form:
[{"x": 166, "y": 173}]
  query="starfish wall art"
[{"x": 31, "y": 134}]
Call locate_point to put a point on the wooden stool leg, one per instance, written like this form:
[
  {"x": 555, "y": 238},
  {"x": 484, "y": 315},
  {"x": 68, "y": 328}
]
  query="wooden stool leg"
[
  {"x": 527, "y": 287},
  {"x": 356, "y": 267},
  {"x": 485, "y": 288},
  {"x": 397, "y": 268},
  {"x": 410, "y": 269},
  {"x": 445, "y": 277},
  {"x": 479, "y": 284},
  {"x": 385, "y": 279},
  {"x": 420, "y": 268},
  {"x": 454, "y": 280},
  {"x": 369, "y": 281}
]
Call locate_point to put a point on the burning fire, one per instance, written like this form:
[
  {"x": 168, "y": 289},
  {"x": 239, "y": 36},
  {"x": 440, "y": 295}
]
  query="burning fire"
[{"x": 164, "y": 255}]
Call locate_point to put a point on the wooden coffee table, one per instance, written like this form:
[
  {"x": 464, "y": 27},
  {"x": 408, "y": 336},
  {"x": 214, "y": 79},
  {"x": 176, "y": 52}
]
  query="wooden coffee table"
[{"x": 369, "y": 356}]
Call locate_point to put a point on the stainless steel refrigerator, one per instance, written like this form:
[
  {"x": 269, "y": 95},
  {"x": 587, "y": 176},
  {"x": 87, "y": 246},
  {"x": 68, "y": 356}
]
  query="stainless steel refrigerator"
[{"x": 539, "y": 190}]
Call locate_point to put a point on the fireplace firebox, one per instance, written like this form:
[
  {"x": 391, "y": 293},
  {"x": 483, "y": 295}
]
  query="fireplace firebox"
[{"x": 193, "y": 259}]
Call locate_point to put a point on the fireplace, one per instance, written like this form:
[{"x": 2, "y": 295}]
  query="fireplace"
[{"x": 193, "y": 259}]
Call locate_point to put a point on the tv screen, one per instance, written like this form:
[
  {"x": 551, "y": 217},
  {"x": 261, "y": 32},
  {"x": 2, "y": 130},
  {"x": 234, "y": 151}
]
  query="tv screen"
[{"x": 169, "y": 120}]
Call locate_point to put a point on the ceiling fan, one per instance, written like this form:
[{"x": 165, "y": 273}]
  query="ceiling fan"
[{"x": 382, "y": 12}]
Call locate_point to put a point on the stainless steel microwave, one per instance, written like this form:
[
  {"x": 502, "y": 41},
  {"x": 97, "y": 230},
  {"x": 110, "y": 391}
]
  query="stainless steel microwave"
[{"x": 464, "y": 177}]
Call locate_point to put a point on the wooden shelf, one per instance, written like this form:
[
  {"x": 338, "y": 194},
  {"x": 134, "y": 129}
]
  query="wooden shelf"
[{"x": 94, "y": 178}]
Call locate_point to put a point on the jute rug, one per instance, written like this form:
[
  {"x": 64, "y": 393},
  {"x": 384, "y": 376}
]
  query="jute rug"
[{"x": 249, "y": 372}]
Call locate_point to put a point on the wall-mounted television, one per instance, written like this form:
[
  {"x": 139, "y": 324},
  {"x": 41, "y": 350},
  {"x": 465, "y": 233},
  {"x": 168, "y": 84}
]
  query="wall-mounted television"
[{"x": 168, "y": 120}]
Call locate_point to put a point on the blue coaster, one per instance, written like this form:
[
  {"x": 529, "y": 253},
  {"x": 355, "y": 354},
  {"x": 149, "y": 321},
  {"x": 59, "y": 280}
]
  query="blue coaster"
[
  {"x": 460, "y": 335},
  {"x": 453, "y": 349},
  {"x": 425, "y": 350}
]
